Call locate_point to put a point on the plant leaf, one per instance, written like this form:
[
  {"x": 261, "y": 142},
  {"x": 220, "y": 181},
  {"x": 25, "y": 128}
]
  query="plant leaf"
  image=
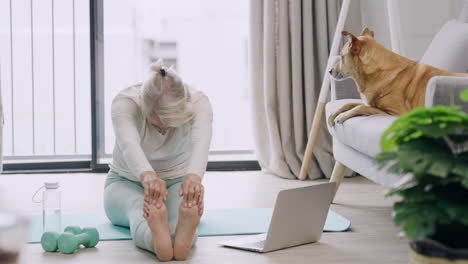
[
  {"x": 464, "y": 95},
  {"x": 461, "y": 169}
]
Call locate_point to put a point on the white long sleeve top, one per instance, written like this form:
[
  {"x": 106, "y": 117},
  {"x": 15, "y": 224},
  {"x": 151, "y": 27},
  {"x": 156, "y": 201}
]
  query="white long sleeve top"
[{"x": 140, "y": 147}]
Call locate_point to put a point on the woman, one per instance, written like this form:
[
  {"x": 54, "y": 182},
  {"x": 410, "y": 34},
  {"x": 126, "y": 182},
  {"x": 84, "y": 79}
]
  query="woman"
[{"x": 163, "y": 133}]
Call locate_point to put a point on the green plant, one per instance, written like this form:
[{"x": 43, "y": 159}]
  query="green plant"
[
  {"x": 429, "y": 144},
  {"x": 464, "y": 95}
]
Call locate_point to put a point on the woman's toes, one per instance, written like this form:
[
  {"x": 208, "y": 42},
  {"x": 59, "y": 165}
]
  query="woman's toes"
[
  {"x": 156, "y": 213},
  {"x": 160, "y": 212},
  {"x": 188, "y": 211},
  {"x": 157, "y": 218}
]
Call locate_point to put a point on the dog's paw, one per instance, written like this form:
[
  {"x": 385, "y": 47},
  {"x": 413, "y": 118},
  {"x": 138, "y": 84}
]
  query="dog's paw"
[
  {"x": 331, "y": 120},
  {"x": 341, "y": 118}
]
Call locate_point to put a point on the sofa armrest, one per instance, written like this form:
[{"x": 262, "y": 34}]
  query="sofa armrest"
[
  {"x": 342, "y": 89},
  {"x": 445, "y": 90}
]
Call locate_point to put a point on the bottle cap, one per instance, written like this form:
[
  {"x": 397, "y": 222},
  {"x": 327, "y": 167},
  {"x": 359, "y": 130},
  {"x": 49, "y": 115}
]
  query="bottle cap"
[{"x": 51, "y": 185}]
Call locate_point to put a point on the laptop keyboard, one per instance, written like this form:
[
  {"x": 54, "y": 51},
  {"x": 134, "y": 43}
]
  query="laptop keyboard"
[{"x": 259, "y": 244}]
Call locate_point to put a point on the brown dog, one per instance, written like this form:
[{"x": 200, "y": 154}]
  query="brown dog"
[{"x": 387, "y": 82}]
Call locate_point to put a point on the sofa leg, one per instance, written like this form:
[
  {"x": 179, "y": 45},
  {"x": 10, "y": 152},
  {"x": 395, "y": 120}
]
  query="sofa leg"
[{"x": 337, "y": 175}]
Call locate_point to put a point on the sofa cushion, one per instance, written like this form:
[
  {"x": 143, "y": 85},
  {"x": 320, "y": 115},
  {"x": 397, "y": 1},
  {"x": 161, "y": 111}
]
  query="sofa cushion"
[
  {"x": 361, "y": 133},
  {"x": 447, "y": 50},
  {"x": 364, "y": 165}
]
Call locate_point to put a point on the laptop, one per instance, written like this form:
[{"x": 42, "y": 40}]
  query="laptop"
[{"x": 298, "y": 218}]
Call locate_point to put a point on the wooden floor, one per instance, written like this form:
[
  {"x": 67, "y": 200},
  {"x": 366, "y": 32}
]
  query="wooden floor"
[{"x": 373, "y": 238}]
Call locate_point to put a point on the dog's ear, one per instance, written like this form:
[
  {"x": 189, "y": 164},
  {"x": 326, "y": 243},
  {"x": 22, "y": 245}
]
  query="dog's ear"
[
  {"x": 367, "y": 32},
  {"x": 351, "y": 36},
  {"x": 355, "y": 46}
]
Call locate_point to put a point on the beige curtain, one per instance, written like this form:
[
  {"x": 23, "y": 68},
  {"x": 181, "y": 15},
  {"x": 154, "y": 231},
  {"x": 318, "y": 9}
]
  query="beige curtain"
[
  {"x": 1, "y": 128},
  {"x": 288, "y": 53}
]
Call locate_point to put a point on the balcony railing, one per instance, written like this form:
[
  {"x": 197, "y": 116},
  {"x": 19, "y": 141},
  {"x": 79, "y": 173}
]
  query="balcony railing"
[{"x": 45, "y": 79}]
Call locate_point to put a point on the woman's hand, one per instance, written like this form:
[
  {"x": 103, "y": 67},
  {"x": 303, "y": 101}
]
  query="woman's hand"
[
  {"x": 193, "y": 191},
  {"x": 155, "y": 188}
]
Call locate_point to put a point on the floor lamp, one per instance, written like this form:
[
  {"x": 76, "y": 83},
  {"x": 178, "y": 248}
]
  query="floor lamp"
[{"x": 324, "y": 91}]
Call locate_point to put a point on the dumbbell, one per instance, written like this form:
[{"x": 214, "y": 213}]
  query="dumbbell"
[
  {"x": 73, "y": 229},
  {"x": 49, "y": 239},
  {"x": 68, "y": 242}
]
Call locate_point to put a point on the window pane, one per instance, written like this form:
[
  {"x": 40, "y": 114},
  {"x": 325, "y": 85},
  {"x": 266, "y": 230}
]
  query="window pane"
[
  {"x": 205, "y": 40},
  {"x": 45, "y": 79}
]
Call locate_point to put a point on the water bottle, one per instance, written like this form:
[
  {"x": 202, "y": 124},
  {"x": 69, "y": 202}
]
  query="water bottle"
[{"x": 51, "y": 207}]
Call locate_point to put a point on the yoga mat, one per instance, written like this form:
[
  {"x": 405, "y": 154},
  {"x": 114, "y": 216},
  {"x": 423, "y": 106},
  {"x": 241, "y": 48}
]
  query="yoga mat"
[{"x": 244, "y": 221}]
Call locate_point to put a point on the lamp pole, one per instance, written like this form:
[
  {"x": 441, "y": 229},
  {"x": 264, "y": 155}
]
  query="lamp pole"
[{"x": 324, "y": 91}]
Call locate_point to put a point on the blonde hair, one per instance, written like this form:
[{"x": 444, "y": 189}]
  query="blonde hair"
[{"x": 165, "y": 95}]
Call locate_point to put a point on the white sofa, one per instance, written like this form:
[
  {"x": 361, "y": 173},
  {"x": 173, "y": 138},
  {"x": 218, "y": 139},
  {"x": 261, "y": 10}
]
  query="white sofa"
[{"x": 356, "y": 142}]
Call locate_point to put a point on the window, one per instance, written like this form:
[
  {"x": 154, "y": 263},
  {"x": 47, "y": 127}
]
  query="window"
[
  {"x": 45, "y": 80},
  {"x": 206, "y": 41},
  {"x": 46, "y": 72}
]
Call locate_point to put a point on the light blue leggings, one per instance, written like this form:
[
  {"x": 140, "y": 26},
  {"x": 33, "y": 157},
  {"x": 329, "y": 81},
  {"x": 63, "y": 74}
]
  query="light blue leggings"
[{"x": 123, "y": 203}]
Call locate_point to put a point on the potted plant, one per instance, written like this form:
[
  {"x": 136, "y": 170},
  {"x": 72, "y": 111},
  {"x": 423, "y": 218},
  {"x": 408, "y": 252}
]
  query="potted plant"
[{"x": 430, "y": 146}]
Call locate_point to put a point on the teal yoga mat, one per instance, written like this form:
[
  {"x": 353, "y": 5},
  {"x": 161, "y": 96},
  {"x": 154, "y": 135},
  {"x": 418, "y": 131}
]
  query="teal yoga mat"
[{"x": 213, "y": 223}]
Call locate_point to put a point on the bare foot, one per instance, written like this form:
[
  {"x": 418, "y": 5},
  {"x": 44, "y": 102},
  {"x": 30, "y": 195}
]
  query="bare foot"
[
  {"x": 189, "y": 217},
  {"x": 158, "y": 223}
]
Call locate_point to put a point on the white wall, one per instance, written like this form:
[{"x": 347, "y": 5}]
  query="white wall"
[
  {"x": 374, "y": 16},
  {"x": 420, "y": 20}
]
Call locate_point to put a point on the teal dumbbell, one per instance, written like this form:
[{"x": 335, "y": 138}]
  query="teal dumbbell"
[
  {"x": 49, "y": 240},
  {"x": 73, "y": 229},
  {"x": 68, "y": 242}
]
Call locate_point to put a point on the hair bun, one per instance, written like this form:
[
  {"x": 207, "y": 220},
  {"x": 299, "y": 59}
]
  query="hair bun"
[{"x": 155, "y": 67}]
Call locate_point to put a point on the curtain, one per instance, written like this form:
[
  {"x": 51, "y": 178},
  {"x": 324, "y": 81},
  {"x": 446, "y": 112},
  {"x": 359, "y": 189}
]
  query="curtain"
[
  {"x": 288, "y": 54},
  {"x": 1, "y": 129}
]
